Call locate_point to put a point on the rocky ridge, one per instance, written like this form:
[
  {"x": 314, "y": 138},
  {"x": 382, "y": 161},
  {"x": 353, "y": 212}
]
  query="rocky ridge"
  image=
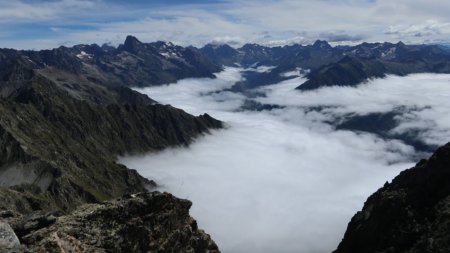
[
  {"x": 409, "y": 215},
  {"x": 142, "y": 222},
  {"x": 131, "y": 64}
]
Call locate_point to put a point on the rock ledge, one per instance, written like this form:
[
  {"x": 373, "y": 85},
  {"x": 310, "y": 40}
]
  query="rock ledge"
[{"x": 143, "y": 222}]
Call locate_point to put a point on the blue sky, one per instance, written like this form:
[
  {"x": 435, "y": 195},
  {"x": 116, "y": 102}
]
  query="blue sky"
[{"x": 36, "y": 24}]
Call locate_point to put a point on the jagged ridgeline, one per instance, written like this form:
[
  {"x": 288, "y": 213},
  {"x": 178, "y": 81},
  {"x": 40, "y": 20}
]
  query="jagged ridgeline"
[
  {"x": 411, "y": 214},
  {"x": 65, "y": 116}
]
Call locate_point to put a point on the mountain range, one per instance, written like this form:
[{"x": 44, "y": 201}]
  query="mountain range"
[
  {"x": 69, "y": 112},
  {"x": 324, "y": 66},
  {"x": 131, "y": 64},
  {"x": 332, "y": 66}
]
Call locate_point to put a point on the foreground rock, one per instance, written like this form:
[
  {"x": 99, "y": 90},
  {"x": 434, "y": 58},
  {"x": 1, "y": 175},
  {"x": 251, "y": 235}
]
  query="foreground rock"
[
  {"x": 410, "y": 215},
  {"x": 144, "y": 222},
  {"x": 8, "y": 239}
]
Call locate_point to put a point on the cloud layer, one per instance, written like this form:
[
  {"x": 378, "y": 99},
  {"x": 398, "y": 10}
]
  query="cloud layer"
[
  {"x": 49, "y": 23},
  {"x": 285, "y": 180},
  {"x": 424, "y": 96}
]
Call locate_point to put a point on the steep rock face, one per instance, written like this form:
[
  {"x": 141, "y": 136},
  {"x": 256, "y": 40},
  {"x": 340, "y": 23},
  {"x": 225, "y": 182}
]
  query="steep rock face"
[
  {"x": 145, "y": 222},
  {"x": 410, "y": 215}
]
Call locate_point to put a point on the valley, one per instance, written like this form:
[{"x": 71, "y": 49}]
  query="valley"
[
  {"x": 277, "y": 147},
  {"x": 288, "y": 174}
]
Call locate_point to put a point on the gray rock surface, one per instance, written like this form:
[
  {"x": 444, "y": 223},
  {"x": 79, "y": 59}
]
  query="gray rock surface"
[
  {"x": 8, "y": 239},
  {"x": 143, "y": 222},
  {"x": 409, "y": 215}
]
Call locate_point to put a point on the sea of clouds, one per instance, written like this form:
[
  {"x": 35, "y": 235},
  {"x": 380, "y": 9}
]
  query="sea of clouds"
[{"x": 285, "y": 180}]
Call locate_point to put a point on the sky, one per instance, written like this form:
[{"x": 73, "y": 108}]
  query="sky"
[
  {"x": 38, "y": 24},
  {"x": 285, "y": 180}
]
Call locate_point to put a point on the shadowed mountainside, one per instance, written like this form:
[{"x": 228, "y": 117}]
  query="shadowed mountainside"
[
  {"x": 411, "y": 214},
  {"x": 61, "y": 132}
]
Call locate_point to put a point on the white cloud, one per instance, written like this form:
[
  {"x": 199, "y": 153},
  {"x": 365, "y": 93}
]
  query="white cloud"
[
  {"x": 284, "y": 180},
  {"x": 425, "y": 94},
  {"x": 289, "y": 41},
  {"x": 421, "y": 32},
  {"x": 271, "y": 22},
  {"x": 20, "y": 11},
  {"x": 341, "y": 37}
]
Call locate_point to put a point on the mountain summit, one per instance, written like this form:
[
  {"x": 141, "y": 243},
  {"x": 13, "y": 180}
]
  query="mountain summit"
[
  {"x": 321, "y": 44},
  {"x": 131, "y": 44}
]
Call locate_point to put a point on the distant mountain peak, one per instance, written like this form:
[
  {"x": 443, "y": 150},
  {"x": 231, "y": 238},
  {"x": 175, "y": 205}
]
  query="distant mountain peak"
[
  {"x": 131, "y": 44},
  {"x": 107, "y": 47},
  {"x": 322, "y": 44},
  {"x": 252, "y": 46},
  {"x": 401, "y": 44},
  {"x": 131, "y": 39},
  {"x": 162, "y": 44}
]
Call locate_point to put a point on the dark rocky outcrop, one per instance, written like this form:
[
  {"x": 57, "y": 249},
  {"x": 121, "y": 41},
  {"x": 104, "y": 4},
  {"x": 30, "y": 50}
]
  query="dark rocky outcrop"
[
  {"x": 143, "y": 222},
  {"x": 409, "y": 215}
]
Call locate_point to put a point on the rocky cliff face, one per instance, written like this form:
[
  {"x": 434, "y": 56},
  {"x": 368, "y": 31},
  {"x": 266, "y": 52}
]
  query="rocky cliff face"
[
  {"x": 410, "y": 215},
  {"x": 144, "y": 222}
]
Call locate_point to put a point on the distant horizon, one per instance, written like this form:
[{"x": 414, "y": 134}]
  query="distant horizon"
[
  {"x": 235, "y": 46},
  {"x": 44, "y": 24}
]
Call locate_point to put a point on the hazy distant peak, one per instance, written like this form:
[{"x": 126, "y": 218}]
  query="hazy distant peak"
[{"x": 322, "y": 44}]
